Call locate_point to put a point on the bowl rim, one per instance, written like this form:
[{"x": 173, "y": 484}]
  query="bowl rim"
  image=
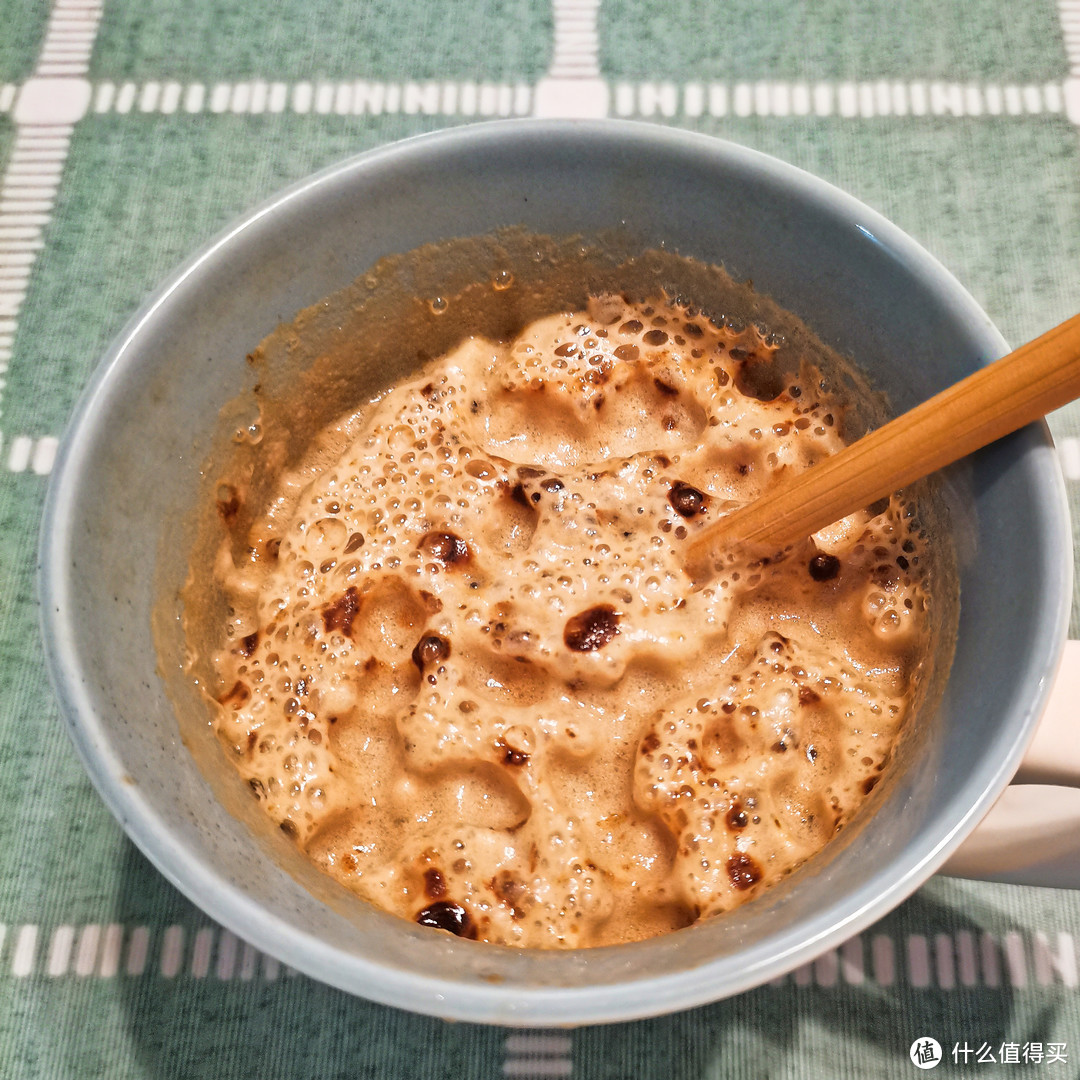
[{"x": 525, "y": 1006}]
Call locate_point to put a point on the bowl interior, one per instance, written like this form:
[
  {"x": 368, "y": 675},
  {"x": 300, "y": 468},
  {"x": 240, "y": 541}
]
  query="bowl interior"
[{"x": 129, "y": 474}]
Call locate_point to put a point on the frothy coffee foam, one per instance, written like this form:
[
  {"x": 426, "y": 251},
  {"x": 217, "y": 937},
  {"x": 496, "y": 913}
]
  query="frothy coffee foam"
[{"x": 466, "y": 669}]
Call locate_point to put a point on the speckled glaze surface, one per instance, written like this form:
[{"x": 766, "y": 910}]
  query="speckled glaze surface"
[{"x": 128, "y": 473}]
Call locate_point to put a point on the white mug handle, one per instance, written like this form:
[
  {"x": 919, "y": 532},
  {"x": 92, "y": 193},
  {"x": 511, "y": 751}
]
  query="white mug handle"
[{"x": 1032, "y": 834}]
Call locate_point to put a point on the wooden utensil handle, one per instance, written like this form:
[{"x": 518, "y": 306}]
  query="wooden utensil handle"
[{"x": 1013, "y": 391}]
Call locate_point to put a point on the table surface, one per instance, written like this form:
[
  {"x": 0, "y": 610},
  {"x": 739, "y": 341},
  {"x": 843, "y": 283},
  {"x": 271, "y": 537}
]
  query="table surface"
[{"x": 132, "y": 130}]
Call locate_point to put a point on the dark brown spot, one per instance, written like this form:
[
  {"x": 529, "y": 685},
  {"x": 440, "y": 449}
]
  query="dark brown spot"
[
  {"x": 686, "y": 500},
  {"x": 340, "y": 614},
  {"x": 631, "y": 326},
  {"x": 692, "y": 330},
  {"x": 551, "y": 485},
  {"x": 902, "y": 562},
  {"x": 666, "y": 388},
  {"x": 236, "y": 695},
  {"x": 431, "y": 601},
  {"x": 655, "y": 337},
  {"x": 257, "y": 788},
  {"x": 649, "y": 743},
  {"x": 228, "y": 504},
  {"x": 511, "y": 755},
  {"x": 445, "y": 547},
  {"x": 515, "y": 894},
  {"x": 808, "y": 696},
  {"x": 355, "y": 541},
  {"x": 247, "y": 644},
  {"x": 428, "y": 390},
  {"x": 527, "y": 472},
  {"x": 429, "y": 650},
  {"x": 878, "y": 507},
  {"x": 569, "y": 349},
  {"x": 811, "y": 753},
  {"x": 824, "y": 567},
  {"x": 627, "y": 352},
  {"x": 434, "y": 883},
  {"x": 743, "y": 871},
  {"x": 869, "y": 784},
  {"x": 736, "y": 817},
  {"x": 728, "y": 707},
  {"x": 591, "y": 629},
  {"x": 446, "y": 915},
  {"x": 289, "y": 829},
  {"x": 519, "y": 495},
  {"x": 272, "y": 548}
]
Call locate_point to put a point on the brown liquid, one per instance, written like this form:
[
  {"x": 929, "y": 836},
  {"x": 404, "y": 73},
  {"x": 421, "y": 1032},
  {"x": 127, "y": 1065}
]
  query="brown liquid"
[{"x": 465, "y": 669}]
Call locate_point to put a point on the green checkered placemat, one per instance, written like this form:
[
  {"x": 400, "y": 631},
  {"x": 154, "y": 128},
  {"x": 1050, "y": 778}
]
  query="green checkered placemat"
[{"x": 132, "y": 130}]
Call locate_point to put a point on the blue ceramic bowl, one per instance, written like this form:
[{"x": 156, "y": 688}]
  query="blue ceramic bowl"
[{"x": 128, "y": 476}]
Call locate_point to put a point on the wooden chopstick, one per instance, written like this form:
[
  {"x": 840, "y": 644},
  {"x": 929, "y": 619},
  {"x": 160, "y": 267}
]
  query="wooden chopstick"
[{"x": 1013, "y": 391}]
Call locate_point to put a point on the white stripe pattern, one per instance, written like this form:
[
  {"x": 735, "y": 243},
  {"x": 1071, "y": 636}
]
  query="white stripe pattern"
[
  {"x": 45, "y": 109},
  {"x": 848, "y": 100},
  {"x": 172, "y": 952},
  {"x": 60, "y": 951},
  {"x": 69, "y": 39},
  {"x": 572, "y": 87},
  {"x": 354, "y": 97},
  {"x": 945, "y": 962},
  {"x": 763, "y": 98},
  {"x": 27, "y": 193},
  {"x": 37, "y": 455},
  {"x": 111, "y": 944},
  {"x": 1069, "y": 14},
  {"x": 526, "y": 1054},
  {"x": 138, "y": 948},
  {"x": 576, "y": 54},
  {"x": 25, "y": 954}
]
